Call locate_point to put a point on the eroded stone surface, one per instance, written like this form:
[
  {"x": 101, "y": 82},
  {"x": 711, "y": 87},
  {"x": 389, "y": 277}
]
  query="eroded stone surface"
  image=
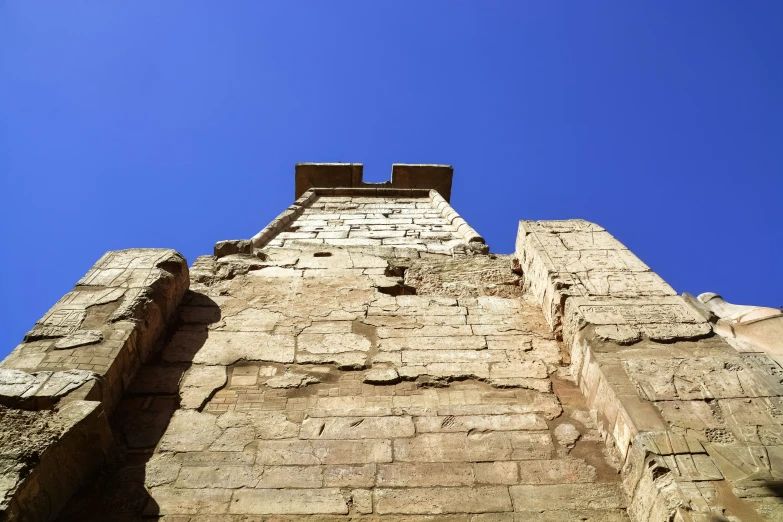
[{"x": 322, "y": 392}]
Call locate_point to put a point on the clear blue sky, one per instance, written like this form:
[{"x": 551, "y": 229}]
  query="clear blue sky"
[{"x": 178, "y": 123}]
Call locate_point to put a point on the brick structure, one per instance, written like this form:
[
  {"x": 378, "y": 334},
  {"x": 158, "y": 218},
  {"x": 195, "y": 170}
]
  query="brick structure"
[{"x": 364, "y": 357}]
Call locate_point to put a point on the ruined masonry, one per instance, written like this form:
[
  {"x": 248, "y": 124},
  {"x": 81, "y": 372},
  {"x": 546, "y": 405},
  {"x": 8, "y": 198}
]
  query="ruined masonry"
[{"x": 364, "y": 357}]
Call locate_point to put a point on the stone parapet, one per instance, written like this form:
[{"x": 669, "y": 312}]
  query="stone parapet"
[
  {"x": 72, "y": 369},
  {"x": 453, "y": 218},
  {"x": 349, "y": 175},
  {"x": 281, "y": 221},
  {"x": 696, "y": 424}
]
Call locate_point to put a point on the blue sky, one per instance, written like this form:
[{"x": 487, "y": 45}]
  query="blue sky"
[{"x": 177, "y": 124}]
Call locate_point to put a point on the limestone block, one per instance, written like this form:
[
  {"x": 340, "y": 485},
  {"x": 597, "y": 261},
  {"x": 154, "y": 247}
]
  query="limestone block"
[
  {"x": 475, "y": 447},
  {"x": 497, "y": 472},
  {"x": 344, "y": 361},
  {"x": 484, "y": 499},
  {"x": 361, "y": 500},
  {"x": 190, "y": 430},
  {"x": 226, "y": 348},
  {"x": 291, "y": 380},
  {"x": 176, "y": 501},
  {"x": 342, "y": 475},
  {"x": 234, "y": 439},
  {"x": 224, "y": 477},
  {"x": 215, "y": 458},
  {"x": 79, "y": 338},
  {"x": 161, "y": 469},
  {"x": 508, "y": 422},
  {"x": 453, "y": 371},
  {"x": 14, "y": 384},
  {"x": 575, "y": 497},
  {"x": 692, "y": 467},
  {"x": 583, "y": 515},
  {"x": 530, "y": 369},
  {"x": 381, "y": 375},
  {"x": 274, "y": 272},
  {"x": 41, "y": 389},
  {"x": 419, "y": 357},
  {"x": 741, "y": 463},
  {"x": 417, "y": 474},
  {"x": 250, "y": 320},
  {"x": 307, "y": 453},
  {"x": 414, "y": 342},
  {"x": 268, "y": 425},
  {"x": 357, "y": 428},
  {"x": 293, "y": 501},
  {"x": 509, "y": 445},
  {"x": 199, "y": 384},
  {"x": 234, "y": 246},
  {"x": 333, "y": 343},
  {"x": 427, "y": 331},
  {"x": 559, "y": 471}
]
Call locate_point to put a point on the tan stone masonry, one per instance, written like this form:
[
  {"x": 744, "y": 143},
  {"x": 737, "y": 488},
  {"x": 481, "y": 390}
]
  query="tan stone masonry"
[{"x": 365, "y": 358}]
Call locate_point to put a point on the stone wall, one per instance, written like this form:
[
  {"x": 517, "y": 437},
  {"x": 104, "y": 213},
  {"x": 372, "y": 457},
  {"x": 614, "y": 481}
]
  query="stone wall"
[
  {"x": 365, "y": 381},
  {"x": 363, "y": 357},
  {"x": 59, "y": 386}
]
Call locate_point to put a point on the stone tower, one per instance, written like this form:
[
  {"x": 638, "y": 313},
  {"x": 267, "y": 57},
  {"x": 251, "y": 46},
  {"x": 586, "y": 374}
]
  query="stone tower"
[{"x": 364, "y": 357}]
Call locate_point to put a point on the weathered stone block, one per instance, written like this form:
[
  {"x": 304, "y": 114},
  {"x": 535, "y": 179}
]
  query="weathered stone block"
[
  {"x": 289, "y": 502},
  {"x": 416, "y": 474},
  {"x": 342, "y": 475},
  {"x": 305, "y": 452},
  {"x": 575, "y": 497},
  {"x": 442, "y": 500},
  {"x": 174, "y": 501},
  {"x": 357, "y": 428}
]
